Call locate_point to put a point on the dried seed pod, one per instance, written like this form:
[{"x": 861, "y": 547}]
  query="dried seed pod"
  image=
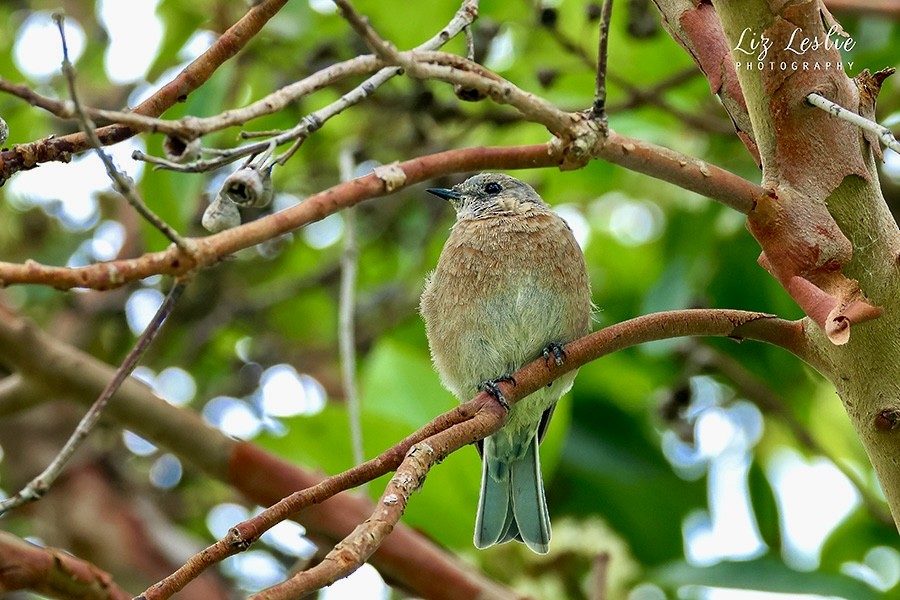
[
  {"x": 249, "y": 186},
  {"x": 179, "y": 150},
  {"x": 220, "y": 215}
]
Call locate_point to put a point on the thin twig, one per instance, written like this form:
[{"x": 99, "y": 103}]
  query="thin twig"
[
  {"x": 884, "y": 134},
  {"x": 347, "y": 315},
  {"x": 198, "y": 72},
  {"x": 381, "y": 47},
  {"x": 599, "y": 587},
  {"x": 191, "y": 126},
  {"x": 122, "y": 183},
  {"x": 598, "y": 109},
  {"x": 314, "y": 121},
  {"x": 638, "y": 96},
  {"x": 38, "y": 486}
]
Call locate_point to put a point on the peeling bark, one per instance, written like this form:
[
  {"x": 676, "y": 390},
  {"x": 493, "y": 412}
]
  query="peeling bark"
[{"x": 826, "y": 232}]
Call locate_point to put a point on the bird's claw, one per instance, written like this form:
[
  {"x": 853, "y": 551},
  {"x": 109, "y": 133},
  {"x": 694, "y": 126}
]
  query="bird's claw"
[
  {"x": 558, "y": 353},
  {"x": 490, "y": 386}
]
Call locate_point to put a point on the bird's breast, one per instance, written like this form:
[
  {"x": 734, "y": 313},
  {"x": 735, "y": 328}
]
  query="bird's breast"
[{"x": 503, "y": 289}]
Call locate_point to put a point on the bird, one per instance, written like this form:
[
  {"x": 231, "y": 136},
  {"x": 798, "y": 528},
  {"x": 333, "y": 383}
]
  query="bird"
[{"x": 510, "y": 286}]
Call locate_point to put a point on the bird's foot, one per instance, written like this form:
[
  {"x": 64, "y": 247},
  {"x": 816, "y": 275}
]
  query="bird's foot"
[
  {"x": 490, "y": 386},
  {"x": 558, "y": 353}
]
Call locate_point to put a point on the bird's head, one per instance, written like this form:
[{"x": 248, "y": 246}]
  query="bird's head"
[{"x": 490, "y": 194}]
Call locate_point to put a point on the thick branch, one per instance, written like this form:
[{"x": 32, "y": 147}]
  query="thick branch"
[
  {"x": 826, "y": 231},
  {"x": 66, "y": 371},
  {"x": 643, "y": 157},
  {"x": 696, "y": 27},
  {"x": 467, "y": 423},
  {"x": 52, "y": 572}
]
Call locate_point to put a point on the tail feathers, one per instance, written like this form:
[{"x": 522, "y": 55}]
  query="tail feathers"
[
  {"x": 494, "y": 517},
  {"x": 512, "y": 505}
]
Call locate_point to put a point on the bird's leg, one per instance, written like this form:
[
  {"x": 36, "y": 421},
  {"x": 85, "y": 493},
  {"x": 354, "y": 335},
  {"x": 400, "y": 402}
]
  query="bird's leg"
[
  {"x": 559, "y": 354},
  {"x": 490, "y": 386}
]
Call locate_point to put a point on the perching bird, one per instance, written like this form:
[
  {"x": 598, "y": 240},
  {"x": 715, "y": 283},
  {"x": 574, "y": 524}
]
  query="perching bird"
[{"x": 510, "y": 285}]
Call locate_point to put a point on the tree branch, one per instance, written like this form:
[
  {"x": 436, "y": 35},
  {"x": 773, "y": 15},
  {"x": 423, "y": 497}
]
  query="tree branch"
[
  {"x": 885, "y": 135},
  {"x": 598, "y": 108},
  {"x": 38, "y": 486},
  {"x": 643, "y": 157},
  {"x": 62, "y": 371},
  {"x": 28, "y": 156},
  {"x": 471, "y": 421},
  {"x": 121, "y": 182},
  {"x": 52, "y": 572},
  {"x": 191, "y": 126},
  {"x": 347, "y": 314}
]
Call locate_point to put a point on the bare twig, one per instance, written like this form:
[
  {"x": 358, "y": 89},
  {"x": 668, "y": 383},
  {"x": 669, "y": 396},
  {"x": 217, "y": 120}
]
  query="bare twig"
[
  {"x": 638, "y": 96},
  {"x": 28, "y": 156},
  {"x": 347, "y": 315},
  {"x": 599, "y": 588},
  {"x": 190, "y": 127},
  {"x": 598, "y": 109},
  {"x": 314, "y": 121},
  {"x": 883, "y": 133},
  {"x": 381, "y": 47},
  {"x": 38, "y": 486},
  {"x": 122, "y": 183}
]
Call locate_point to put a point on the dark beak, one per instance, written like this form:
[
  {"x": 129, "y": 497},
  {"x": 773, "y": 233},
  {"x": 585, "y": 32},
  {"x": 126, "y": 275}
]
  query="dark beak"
[{"x": 444, "y": 193}]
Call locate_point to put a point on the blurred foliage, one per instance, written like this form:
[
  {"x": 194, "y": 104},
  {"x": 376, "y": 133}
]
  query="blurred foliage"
[{"x": 650, "y": 247}]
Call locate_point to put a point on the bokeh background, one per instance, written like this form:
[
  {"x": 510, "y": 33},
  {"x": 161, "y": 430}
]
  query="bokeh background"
[{"x": 706, "y": 469}]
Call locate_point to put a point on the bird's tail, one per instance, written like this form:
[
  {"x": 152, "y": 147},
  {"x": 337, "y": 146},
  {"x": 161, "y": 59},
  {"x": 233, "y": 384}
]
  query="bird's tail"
[{"x": 512, "y": 505}]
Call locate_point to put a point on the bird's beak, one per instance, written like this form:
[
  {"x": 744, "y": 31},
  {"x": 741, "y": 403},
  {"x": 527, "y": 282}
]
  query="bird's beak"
[{"x": 446, "y": 194}]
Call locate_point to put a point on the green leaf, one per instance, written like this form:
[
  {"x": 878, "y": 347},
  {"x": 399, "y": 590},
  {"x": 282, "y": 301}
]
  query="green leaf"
[{"x": 765, "y": 575}]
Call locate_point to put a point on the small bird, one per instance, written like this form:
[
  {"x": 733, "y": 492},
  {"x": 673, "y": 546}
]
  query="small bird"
[{"x": 510, "y": 285}]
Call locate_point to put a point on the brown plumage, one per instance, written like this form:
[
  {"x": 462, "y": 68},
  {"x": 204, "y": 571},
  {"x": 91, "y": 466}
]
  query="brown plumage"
[{"x": 510, "y": 281}]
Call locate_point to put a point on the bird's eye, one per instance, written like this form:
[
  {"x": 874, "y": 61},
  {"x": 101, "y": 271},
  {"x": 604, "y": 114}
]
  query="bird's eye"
[{"x": 493, "y": 188}]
